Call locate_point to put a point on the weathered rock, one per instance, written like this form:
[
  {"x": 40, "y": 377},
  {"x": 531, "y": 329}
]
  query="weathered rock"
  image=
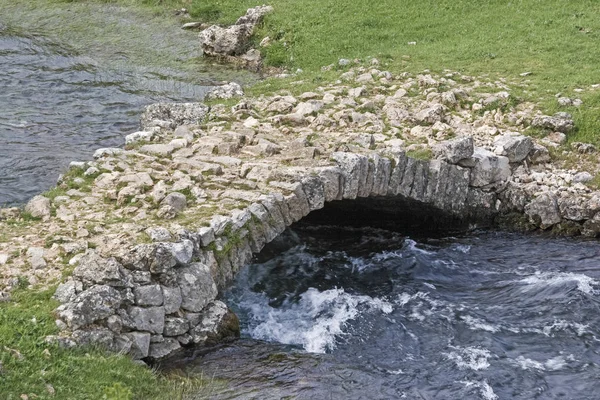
[
  {"x": 197, "y": 286},
  {"x": 175, "y": 200},
  {"x": 39, "y": 207},
  {"x": 94, "y": 269},
  {"x": 36, "y": 257},
  {"x": 67, "y": 291},
  {"x": 543, "y": 210},
  {"x": 172, "y": 299},
  {"x": 217, "y": 324},
  {"x": 150, "y": 295},
  {"x": 140, "y": 344},
  {"x": 182, "y": 251},
  {"x": 561, "y": 122},
  {"x": 431, "y": 115},
  {"x": 91, "y": 305},
  {"x": 454, "y": 150},
  {"x": 151, "y": 319},
  {"x": 175, "y": 326},
  {"x": 174, "y": 113},
  {"x": 229, "y": 41},
  {"x": 489, "y": 168},
  {"x": 515, "y": 147},
  {"x": 164, "y": 348},
  {"x": 254, "y": 15}
]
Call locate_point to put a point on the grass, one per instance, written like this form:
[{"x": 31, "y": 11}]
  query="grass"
[
  {"x": 554, "y": 40},
  {"x": 39, "y": 370}
]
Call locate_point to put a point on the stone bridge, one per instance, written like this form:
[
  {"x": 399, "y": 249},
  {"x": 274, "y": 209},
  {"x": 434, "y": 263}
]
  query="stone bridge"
[{"x": 157, "y": 229}]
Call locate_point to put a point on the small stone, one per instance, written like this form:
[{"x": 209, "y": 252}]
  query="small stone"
[
  {"x": 175, "y": 200},
  {"x": 159, "y": 234},
  {"x": 36, "y": 257},
  {"x": 582, "y": 177}
]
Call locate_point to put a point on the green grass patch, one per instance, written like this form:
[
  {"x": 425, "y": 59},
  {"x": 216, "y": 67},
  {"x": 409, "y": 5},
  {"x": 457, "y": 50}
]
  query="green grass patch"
[{"x": 37, "y": 369}]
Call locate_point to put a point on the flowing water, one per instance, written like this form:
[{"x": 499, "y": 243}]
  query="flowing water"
[
  {"x": 59, "y": 101},
  {"x": 339, "y": 313}
]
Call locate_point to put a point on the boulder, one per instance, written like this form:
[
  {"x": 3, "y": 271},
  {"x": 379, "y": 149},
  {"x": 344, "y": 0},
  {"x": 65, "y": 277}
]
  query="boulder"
[
  {"x": 515, "y": 147},
  {"x": 39, "y": 207},
  {"x": 488, "y": 168},
  {"x": 229, "y": 41},
  {"x": 454, "y": 150},
  {"x": 543, "y": 211}
]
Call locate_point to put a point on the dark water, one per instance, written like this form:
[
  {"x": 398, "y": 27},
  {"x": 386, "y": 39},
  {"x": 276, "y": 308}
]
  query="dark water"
[
  {"x": 57, "y": 106},
  {"x": 333, "y": 313}
]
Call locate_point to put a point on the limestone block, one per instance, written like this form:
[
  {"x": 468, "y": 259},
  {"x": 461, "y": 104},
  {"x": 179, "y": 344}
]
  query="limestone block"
[
  {"x": 172, "y": 298},
  {"x": 140, "y": 344},
  {"x": 175, "y": 326},
  {"x": 560, "y": 122},
  {"x": 276, "y": 221},
  {"x": 175, "y": 200},
  {"x": 489, "y": 168},
  {"x": 217, "y": 323},
  {"x": 454, "y": 150},
  {"x": 197, "y": 286},
  {"x": 355, "y": 169},
  {"x": 150, "y": 295},
  {"x": 207, "y": 235},
  {"x": 408, "y": 177},
  {"x": 381, "y": 175},
  {"x": 399, "y": 162},
  {"x": 574, "y": 208},
  {"x": 543, "y": 210},
  {"x": 182, "y": 251},
  {"x": 150, "y": 319},
  {"x": 94, "y": 269},
  {"x": 333, "y": 183},
  {"x": 314, "y": 191},
  {"x": 164, "y": 348},
  {"x": 93, "y": 304},
  {"x": 36, "y": 257},
  {"x": 515, "y": 147}
]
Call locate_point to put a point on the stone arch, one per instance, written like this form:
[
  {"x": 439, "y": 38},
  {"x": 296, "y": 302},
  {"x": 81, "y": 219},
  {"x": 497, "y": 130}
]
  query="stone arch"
[{"x": 152, "y": 299}]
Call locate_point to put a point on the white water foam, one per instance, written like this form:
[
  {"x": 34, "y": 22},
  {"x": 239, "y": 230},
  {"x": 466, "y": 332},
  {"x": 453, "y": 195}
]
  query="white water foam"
[
  {"x": 474, "y": 358},
  {"x": 479, "y": 324},
  {"x": 585, "y": 283},
  {"x": 314, "y": 321},
  {"x": 552, "y": 364},
  {"x": 486, "y": 391}
]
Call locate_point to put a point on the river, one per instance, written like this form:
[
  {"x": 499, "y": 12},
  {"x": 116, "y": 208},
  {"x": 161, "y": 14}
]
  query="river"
[
  {"x": 343, "y": 313},
  {"x": 76, "y": 77}
]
